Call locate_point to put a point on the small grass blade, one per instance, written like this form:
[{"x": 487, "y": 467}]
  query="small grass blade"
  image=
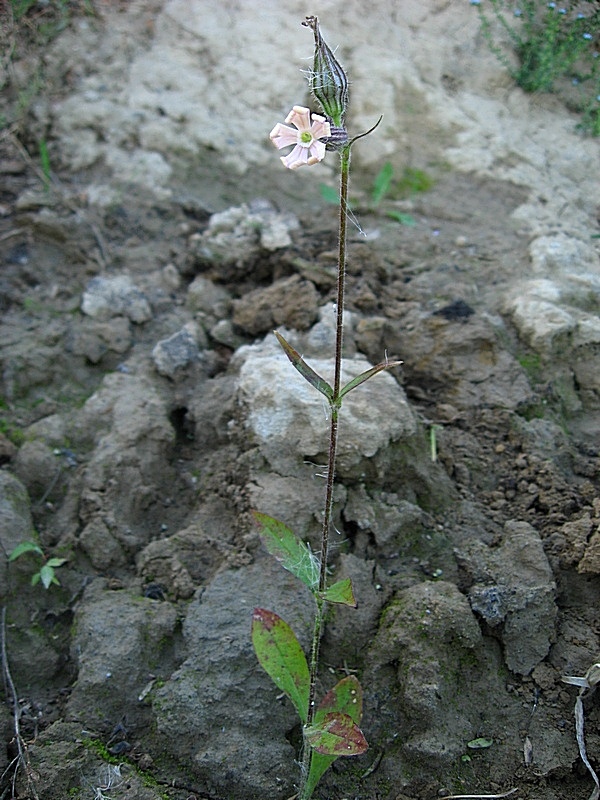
[{"x": 382, "y": 183}]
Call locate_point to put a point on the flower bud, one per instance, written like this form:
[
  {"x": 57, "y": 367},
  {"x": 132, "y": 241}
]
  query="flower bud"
[{"x": 328, "y": 81}]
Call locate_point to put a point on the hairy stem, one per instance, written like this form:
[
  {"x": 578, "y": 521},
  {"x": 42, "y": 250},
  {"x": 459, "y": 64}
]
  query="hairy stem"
[{"x": 333, "y": 439}]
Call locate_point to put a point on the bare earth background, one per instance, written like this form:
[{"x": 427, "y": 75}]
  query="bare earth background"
[{"x": 146, "y": 408}]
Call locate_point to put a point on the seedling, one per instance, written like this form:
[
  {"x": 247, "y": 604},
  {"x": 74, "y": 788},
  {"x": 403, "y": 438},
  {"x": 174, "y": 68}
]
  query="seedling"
[{"x": 46, "y": 574}]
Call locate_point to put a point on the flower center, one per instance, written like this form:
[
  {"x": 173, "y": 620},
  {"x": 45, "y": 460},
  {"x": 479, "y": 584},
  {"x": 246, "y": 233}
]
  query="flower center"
[{"x": 306, "y": 138}]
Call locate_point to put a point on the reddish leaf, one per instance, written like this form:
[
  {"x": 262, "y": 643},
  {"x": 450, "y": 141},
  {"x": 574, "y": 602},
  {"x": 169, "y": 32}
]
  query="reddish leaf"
[{"x": 336, "y": 735}]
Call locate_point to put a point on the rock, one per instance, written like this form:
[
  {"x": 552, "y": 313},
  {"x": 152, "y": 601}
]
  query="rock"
[
  {"x": 8, "y": 450},
  {"x": 64, "y": 762},
  {"x": 554, "y": 311},
  {"x": 468, "y": 359},
  {"x": 512, "y": 588},
  {"x": 590, "y": 563},
  {"x": 563, "y": 256},
  {"x": 284, "y": 411},
  {"x": 120, "y": 642},
  {"x": 16, "y": 526},
  {"x": 431, "y": 649},
  {"x": 40, "y": 468},
  {"x": 184, "y": 561},
  {"x": 224, "y": 333},
  {"x": 235, "y": 239},
  {"x": 127, "y": 419},
  {"x": 297, "y": 500},
  {"x": 222, "y": 680},
  {"x": 107, "y": 297},
  {"x": 350, "y": 631},
  {"x": 100, "y": 546},
  {"x": 94, "y": 338},
  {"x": 291, "y": 302},
  {"x": 173, "y": 356},
  {"x": 208, "y": 297}
]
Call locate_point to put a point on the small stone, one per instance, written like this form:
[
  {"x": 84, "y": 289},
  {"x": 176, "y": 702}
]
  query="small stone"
[
  {"x": 116, "y": 296},
  {"x": 174, "y": 355}
]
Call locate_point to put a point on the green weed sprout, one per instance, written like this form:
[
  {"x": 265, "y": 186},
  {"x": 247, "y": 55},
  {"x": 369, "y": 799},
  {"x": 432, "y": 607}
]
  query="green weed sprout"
[
  {"x": 46, "y": 574},
  {"x": 386, "y": 184},
  {"x": 551, "y": 41},
  {"x": 330, "y": 728}
]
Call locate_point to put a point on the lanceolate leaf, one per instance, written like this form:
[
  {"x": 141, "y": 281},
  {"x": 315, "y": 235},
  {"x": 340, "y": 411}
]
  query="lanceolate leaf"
[
  {"x": 345, "y": 697},
  {"x": 307, "y": 372},
  {"x": 282, "y": 658},
  {"x": 291, "y": 552},
  {"x": 336, "y": 735},
  {"x": 364, "y": 376},
  {"x": 25, "y": 547},
  {"x": 340, "y": 592}
]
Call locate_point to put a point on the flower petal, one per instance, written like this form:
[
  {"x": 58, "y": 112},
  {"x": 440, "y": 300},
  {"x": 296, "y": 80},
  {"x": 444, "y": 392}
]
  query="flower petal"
[
  {"x": 317, "y": 152},
  {"x": 300, "y": 117},
  {"x": 297, "y": 158},
  {"x": 282, "y": 136},
  {"x": 320, "y": 128}
]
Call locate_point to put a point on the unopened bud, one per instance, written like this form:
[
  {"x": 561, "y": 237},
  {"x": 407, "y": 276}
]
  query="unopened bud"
[{"x": 328, "y": 81}]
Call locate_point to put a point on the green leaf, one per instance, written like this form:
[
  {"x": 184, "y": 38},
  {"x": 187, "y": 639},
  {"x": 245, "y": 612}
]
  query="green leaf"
[
  {"x": 364, "y": 376},
  {"x": 56, "y": 562},
  {"x": 345, "y": 697},
  {"x": 48, "y": 577},
  {"x": 329, "y": 194},
  {"x": 307, "y": 372},
  {"x": 336, "y": 735},
  {"x": 402, "y": 218},
  {"x": 340, "y": 592},
  {"x": 293, "y": 554},
  {"x": 25, "y": 547},
  {"x": 382, "y": 183},
  {"x": 281, "y": 656},
  {"x": 480, "y": 744}
]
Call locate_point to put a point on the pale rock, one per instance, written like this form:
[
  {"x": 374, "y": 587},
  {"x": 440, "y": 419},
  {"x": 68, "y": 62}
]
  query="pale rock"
[
  {"x": 283, "y": 410},
  {"x": 107, "y": 297}
]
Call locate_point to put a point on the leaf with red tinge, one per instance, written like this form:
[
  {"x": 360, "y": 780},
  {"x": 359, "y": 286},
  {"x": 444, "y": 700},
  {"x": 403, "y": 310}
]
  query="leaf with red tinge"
[
  {"x": 346, "y": 697},
  {"x": 340, "y": 592},
  {"x": 303, "y": 368},
  {"x": 293, "y": 554},
  {"x": 282, "y": 658},
  {"x": 336, "y": 735}
]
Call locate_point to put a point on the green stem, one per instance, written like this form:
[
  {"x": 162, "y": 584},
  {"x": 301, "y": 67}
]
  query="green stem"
[{"x": 333, "y": 439}]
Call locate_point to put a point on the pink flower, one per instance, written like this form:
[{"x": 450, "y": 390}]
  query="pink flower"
[{"x": 305, "y": 136}]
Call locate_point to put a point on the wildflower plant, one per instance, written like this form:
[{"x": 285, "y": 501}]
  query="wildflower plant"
[
  {"x": 330, "y": 727},
  {"x": 552, "y": 40}
]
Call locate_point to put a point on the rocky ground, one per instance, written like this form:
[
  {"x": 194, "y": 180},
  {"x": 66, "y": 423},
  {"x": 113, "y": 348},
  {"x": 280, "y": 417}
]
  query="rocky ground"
[{"x": 146, "y": 410}]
